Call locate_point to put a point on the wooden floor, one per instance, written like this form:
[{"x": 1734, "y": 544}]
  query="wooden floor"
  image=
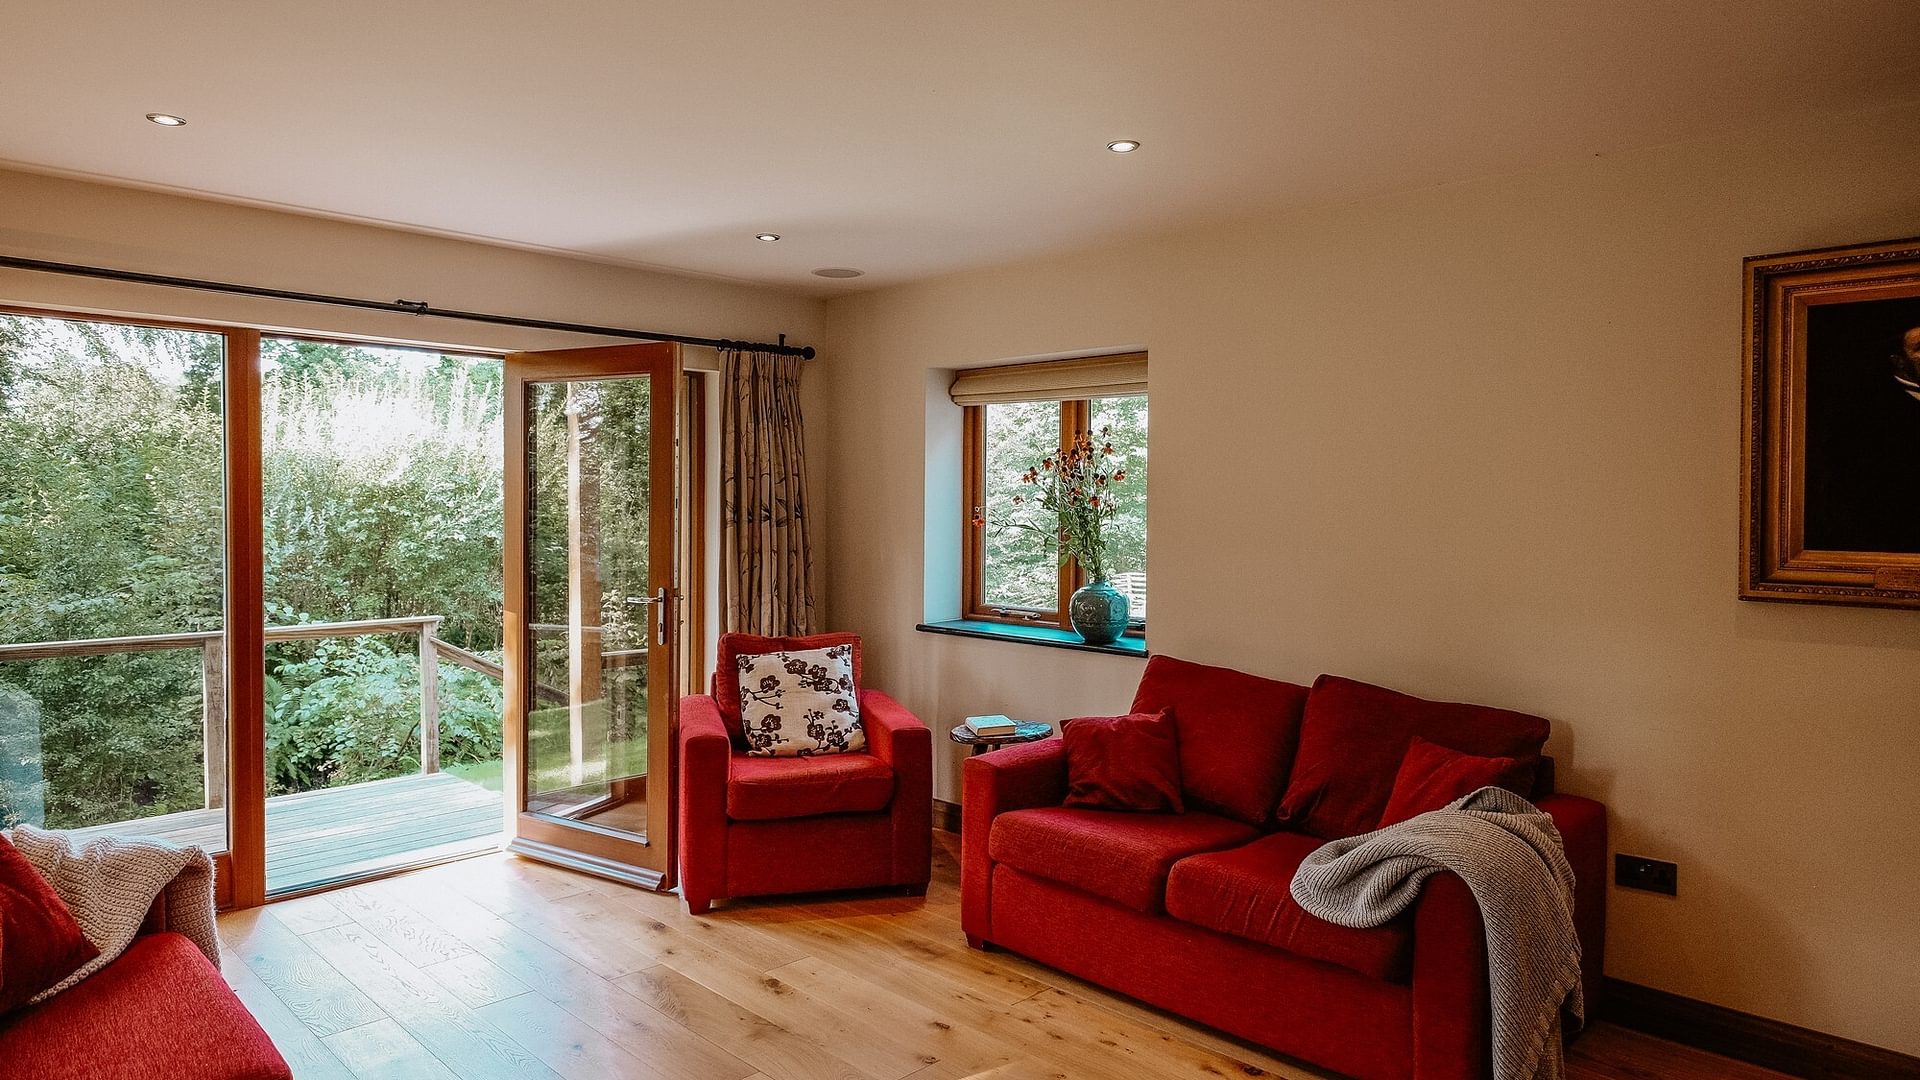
[
  {"x": 336, "y": 833},
  {"x": 501, "y": 967}
]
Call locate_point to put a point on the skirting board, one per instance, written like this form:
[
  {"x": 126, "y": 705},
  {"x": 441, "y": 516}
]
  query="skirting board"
[
  {"x": 946, "y": 815},
  {"x": 1771, "y": 1044}
]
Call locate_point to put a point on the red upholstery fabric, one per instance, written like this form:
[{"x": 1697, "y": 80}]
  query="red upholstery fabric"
[
  {"x": 762, "y": 789},
  {"x": 1431, "y": 776},
  {"x": 1237, "y": 734},
  {"x": 40, "y": 943},
  {"x": 1123, "y": 763},
  {"x": 1345, "y": 1022},
  {"x": 1352, "y": 740},
  {"x": 722, "y": 856},
  {"x": 1244, "y": 892},
  {"x": 1121, "y": 856},
  {"x": 726, "y": 672},
  {"x": 159, "y": 1012},
  {"x": 1011, "y": 778},
  {"x": 1583, "y": 833},
  {"x": 1452, "y": 1008}
]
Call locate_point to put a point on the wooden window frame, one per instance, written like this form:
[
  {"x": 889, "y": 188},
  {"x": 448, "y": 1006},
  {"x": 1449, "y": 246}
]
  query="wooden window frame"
[{"x": 1076, "y": 419}]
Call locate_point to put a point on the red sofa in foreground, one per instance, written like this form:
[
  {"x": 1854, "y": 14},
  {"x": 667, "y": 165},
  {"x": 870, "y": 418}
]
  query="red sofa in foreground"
[
  {"x": 1191, "y": 912},
  {"x": 158, "y": 1012}
]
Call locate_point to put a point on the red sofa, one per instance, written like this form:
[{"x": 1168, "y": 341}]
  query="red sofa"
[
  {"x": 758, "y": 826},
  {"x": 1191, "y": 912},
  {"x": 158, "y": 1012}
]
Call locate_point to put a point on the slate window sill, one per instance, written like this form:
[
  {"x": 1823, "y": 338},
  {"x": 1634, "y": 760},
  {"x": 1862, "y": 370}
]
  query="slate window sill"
[{"x": 1050, "y": 636}]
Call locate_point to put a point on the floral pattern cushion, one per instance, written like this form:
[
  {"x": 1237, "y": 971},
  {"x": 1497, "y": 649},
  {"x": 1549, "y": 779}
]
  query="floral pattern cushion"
[{"x": 800, "y": 704}]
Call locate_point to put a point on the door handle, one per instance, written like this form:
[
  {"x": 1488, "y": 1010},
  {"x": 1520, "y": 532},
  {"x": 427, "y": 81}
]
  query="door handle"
[{"x": 659, "y": 602}]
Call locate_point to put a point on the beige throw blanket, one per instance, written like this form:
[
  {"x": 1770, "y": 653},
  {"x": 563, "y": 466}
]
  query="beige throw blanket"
[
  {"x": 110, "y": 883},
  {"x": 1511, "y": 858}
]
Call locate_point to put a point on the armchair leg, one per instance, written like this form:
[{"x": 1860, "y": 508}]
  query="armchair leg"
[
  {"x": 697, "y": 905},
  {"x": 979, "y": 943},
  {"x": 915, "y": 890}
]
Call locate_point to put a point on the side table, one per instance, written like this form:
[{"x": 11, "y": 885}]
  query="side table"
[{"x": 1024, "y": 731}]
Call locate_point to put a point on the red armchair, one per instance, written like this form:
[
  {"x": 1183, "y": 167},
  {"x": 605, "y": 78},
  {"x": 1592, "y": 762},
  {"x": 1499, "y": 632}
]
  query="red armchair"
[{"x": 757, "y": 826}]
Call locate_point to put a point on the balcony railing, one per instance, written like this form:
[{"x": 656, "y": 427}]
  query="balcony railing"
[{"x": 213, "y": 674}]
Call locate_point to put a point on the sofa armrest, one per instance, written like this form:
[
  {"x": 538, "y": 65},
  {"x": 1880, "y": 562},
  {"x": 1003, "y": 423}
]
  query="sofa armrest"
[
  {"x": 1012, "y": 778},
  {"x": 1452, "y": 1009},
  {"x": 706, "y": 752},
  {"x": 1583, "y": 833}
]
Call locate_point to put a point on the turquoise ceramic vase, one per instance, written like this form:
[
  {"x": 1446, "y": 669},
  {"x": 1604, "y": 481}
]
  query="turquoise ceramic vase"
[{"x": 1098, "y": 612}]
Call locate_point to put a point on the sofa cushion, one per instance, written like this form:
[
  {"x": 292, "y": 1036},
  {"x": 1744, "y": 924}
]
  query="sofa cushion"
[
  {"x": 1354, "y": 736},
  {"x": 1244, "y": 892},
  {"x": 1121, "y": 856},
  {"x": 1431, "y": 776},
  {"x": 763, "y": 789},
  {"x": 726, "y": 669},
  {"x": 801, "y": 703},
  {"x": 159, "y": 1012},
  {"x": 1123, "y": 763},
  {"x": 1237, "y": 734},
  {"x": 40, "y": 943}
]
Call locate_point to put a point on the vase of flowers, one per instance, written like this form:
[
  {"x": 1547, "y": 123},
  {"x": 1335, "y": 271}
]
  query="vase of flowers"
[{"x": 1068, "y": 498}]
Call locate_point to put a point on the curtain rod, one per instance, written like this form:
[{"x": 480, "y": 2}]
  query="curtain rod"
[{"x": 405, "y": 307}]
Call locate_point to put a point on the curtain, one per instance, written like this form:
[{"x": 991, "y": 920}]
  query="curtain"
[{"x": 766, "y": 558}]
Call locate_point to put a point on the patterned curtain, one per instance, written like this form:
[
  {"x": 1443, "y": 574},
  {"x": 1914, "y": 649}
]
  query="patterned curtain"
[{"x": 766, "y": 559}]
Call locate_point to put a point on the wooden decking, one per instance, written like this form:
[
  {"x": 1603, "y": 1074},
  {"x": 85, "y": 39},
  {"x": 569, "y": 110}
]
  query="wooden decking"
[{"x": 321, "y": 836}]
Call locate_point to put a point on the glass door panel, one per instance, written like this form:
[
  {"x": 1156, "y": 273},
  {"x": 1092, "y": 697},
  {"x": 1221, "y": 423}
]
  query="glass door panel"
[
  {"x": 113, "y": 702},
  {"x": 591, "y": 646}
]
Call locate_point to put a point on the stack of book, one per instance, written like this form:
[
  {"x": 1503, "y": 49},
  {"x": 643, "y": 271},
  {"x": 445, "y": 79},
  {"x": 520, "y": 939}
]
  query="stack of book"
[{"x": 988, "y": 725}]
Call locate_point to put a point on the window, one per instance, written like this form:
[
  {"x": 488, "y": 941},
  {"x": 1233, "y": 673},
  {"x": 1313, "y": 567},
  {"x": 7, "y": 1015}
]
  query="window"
[{"x": 1017, "y": 418}]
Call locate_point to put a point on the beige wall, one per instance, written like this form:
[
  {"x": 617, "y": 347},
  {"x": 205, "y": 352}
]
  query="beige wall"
[{"x": 1481, "y": 443}]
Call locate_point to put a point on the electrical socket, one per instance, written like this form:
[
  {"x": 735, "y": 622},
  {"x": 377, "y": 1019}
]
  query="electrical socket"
[{"x": 1640, "y": 872}]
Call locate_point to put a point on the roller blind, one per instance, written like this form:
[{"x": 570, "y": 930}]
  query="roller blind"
[{"x": 1052, "y": 380}]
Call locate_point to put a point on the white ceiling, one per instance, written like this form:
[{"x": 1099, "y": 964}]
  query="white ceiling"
[{"x": 903, "y": 137}]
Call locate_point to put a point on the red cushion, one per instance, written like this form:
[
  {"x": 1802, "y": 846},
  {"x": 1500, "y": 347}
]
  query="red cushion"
[
  {"x": 1121, "y": 856},
  {"x": 159, "y": 1012},
  {"x": 1431, "y": 776},
  {"x": 726, "y": 669},
  {"x": 40, "y": 944},
  {"x": 762, "y": 789},
  {"x": 1244, "y": 892},
  {"x": 1354, "y": 736},
  {"x": 1123, "y": 763},
  {"x": 1237, "y": 734}
]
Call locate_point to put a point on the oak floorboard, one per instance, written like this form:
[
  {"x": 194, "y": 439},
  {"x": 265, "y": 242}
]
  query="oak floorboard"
[
  {"x": 383, "y": 1050},
  {"x": 325, "y": 1000},
  {"x": 306, "y": 1053},
  {"x": 459, "y": 1038},
  {"x": 502, "y": 967}
]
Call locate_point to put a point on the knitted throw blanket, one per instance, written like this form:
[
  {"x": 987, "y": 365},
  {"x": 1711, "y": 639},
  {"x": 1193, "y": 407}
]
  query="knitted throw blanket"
[
  {"x": 1510, "y": 856},
  {"x": 110, "y": 882}
]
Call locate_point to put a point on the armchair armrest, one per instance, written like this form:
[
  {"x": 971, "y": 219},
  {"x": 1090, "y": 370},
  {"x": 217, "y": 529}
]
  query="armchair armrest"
[
  {"x": 895, "y": 735},
  {"x": 898, "y": 738},
  {"x": 1017, "y": 777},
  {"x": 706, "y": 752}
]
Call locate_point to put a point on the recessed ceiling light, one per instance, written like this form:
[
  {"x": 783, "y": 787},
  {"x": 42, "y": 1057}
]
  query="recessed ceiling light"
[
  {"x": 1124, "y": 146},
  {"x": 766, "y": 237},
  {"x": 838, "y": 272},
  {"x": 167, "y": 119}
]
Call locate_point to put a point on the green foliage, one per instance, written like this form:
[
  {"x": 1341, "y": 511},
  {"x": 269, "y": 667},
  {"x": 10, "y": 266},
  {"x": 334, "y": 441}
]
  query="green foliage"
[
  {"x": 1023, "y": 551},
  {"x": 382, "y": 496}
]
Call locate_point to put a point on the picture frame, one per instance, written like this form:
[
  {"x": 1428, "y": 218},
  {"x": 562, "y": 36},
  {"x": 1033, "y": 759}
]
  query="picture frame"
[{"x": 1830, "y": 502}]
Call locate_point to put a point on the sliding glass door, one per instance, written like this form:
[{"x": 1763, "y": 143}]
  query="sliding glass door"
[
  {"x": 591, "y": 629},
  {"x": 113, "y": 514}
]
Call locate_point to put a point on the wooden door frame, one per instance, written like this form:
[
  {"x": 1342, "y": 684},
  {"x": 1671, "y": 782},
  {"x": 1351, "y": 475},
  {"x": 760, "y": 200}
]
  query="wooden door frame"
[{"x": 582, "y": 845}]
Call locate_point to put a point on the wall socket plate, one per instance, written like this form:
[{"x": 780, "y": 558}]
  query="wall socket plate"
[{"x": 1640, "y": 872}]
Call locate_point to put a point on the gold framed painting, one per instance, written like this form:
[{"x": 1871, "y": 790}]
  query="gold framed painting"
[{"x": 1830, "y": 505}]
